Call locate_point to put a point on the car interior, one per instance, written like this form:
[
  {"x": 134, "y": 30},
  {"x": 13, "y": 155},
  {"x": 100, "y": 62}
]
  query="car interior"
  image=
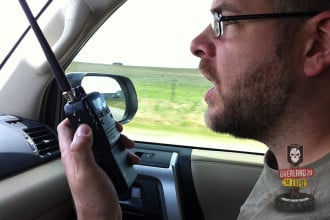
[{"x": 174, "y": 181}]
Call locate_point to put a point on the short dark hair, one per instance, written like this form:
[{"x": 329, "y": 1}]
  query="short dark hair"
[
  {"x": 300, "y": 5},
  {"x": 290, "y": 26}
]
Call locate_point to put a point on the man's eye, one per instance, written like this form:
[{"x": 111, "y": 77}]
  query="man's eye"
[{"x": 231, "y": 22}]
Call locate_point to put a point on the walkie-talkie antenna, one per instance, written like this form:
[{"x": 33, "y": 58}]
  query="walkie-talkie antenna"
[
  {"x": 92, "y": 109},
  {"x": 55, "y": 67}
]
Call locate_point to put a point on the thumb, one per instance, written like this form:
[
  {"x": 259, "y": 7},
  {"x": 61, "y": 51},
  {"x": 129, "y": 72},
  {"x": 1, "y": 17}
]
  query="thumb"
[{"x": 81, "y": 149}]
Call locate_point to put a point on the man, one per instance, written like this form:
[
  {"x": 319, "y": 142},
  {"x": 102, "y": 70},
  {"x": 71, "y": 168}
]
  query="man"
[{"x": 271, "y": 75}]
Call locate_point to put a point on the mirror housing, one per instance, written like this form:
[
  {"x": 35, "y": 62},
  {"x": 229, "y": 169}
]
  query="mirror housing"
[{"x": 118, "y": 91}]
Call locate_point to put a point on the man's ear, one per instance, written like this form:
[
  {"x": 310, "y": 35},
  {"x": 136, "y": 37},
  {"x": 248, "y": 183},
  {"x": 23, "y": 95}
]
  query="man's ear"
[{"x": 317, "y": 50}]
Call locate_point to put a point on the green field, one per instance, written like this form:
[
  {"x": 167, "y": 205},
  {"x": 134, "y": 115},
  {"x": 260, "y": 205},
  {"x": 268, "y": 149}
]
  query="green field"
[{"x": 170, "y": 100}]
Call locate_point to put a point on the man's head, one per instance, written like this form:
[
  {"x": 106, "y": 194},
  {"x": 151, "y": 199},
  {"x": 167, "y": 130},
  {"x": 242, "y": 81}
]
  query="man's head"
[{"x": 258, "y": 65}]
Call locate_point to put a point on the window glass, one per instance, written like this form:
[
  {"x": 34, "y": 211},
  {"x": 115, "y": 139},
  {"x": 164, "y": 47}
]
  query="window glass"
[
  {"x": 14, "y": 26},
  {"x": 148, "y": 41}
]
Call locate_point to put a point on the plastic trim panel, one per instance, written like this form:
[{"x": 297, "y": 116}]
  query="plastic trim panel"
[{"x": 167, "y": 177}]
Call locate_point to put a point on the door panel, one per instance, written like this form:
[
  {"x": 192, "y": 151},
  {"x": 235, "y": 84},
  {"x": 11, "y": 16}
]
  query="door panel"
[
  {"x": 39, "y": 193},
  {"x": 223, "y": 181}
]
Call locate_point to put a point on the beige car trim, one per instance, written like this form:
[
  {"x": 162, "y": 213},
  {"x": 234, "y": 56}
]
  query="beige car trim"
[{"x": 41, "y": 191}]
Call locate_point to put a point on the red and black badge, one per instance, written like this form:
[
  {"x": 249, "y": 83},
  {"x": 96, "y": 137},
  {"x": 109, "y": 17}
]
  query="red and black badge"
[{"x": 295, "y": 178}]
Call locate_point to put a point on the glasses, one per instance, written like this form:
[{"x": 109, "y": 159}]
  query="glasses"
[{"x": 217, "y": 20}]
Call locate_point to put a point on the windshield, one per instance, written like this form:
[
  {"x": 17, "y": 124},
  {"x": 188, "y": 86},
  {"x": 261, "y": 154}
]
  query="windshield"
[{"x": 14, "y": 26}]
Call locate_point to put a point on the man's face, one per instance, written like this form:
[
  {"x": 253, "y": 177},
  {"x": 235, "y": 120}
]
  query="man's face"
[{"x": 251, "y": 78}]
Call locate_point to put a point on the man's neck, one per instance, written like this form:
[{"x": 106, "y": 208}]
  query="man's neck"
[{"x": 314, "y": 136}]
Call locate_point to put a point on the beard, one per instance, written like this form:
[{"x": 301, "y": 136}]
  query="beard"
[{"x": 256, "y": 101}]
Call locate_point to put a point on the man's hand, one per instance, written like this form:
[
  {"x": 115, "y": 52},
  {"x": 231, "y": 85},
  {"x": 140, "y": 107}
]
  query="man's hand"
[{"x": 93, "y": 193}]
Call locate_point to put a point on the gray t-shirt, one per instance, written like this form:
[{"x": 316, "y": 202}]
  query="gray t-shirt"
[{"x": 260, "y": 203}]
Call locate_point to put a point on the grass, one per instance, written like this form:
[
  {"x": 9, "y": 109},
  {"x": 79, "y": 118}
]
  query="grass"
[{"x": 170, "y": 101}]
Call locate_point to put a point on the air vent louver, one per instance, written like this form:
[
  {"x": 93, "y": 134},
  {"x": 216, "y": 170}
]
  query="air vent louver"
[{"x": 44, "y": 140}]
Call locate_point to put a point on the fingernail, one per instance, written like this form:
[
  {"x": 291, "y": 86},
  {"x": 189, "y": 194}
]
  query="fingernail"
[{"x": 82, "y": 131}]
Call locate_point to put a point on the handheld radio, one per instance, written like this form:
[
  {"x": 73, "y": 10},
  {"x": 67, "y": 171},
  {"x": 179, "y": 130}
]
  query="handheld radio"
[{"x": 91, "y": 109}]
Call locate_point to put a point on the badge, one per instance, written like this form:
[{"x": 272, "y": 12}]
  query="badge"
[
  {"x": 295, "y": 155},
  {"x": 294, "y": 179}
]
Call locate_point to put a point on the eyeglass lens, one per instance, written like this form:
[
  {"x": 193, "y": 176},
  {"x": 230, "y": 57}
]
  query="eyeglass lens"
[{"x": 216, "y": 24}]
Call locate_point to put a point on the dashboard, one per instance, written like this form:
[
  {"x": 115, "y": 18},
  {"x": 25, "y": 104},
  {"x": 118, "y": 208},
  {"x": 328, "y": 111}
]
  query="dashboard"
[
  {"x": 154, "y": 194},
  {"x": 26, "y": 143}
]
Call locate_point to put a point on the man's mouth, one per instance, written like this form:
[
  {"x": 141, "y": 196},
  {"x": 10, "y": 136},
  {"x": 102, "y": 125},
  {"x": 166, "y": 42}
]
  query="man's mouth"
[{"x": 209, "y": 94}]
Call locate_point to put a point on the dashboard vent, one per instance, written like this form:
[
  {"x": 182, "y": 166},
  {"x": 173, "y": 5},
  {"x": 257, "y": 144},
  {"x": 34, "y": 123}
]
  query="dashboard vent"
[{"x": 45, "y": 141}]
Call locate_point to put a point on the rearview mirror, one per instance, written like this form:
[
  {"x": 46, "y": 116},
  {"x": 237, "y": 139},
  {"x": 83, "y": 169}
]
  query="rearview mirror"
[{"x": 118, "y": 92}]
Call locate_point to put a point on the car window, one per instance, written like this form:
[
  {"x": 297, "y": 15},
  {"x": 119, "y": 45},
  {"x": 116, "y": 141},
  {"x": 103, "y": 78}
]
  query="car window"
[
  {"x": 14, "y": 27},
  {"x": 148, "y": 40}
]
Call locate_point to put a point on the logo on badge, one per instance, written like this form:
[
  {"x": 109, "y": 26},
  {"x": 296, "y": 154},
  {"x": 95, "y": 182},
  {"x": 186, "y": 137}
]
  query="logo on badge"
[{"x": 295, "y": 155}]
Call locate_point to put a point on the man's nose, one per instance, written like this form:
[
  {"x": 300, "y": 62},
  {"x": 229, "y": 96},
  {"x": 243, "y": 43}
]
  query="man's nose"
[{"x": 202, "y": 45}]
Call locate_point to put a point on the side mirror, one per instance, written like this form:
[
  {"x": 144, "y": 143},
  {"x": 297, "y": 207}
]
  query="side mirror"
[{"x": 118, "y": 91}]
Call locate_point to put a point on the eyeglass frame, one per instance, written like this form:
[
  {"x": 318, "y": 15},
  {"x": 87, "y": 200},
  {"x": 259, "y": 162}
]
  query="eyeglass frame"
[{"x": 218, "y": 18}]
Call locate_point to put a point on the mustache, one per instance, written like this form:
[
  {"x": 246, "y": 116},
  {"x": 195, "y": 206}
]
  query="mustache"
[{"x": 207, "y": 70}]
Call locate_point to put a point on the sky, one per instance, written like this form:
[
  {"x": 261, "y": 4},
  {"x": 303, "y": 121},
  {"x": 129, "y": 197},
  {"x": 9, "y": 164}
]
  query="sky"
[
  {"x": 165, "y": 28},
  {"x": 11, "y": 25},
  {"x": 13, "y": 22}
]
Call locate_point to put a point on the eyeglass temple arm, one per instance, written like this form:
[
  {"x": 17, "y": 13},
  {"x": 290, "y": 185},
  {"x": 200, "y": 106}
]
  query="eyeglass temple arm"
[{"x": 272, "y": 15}]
